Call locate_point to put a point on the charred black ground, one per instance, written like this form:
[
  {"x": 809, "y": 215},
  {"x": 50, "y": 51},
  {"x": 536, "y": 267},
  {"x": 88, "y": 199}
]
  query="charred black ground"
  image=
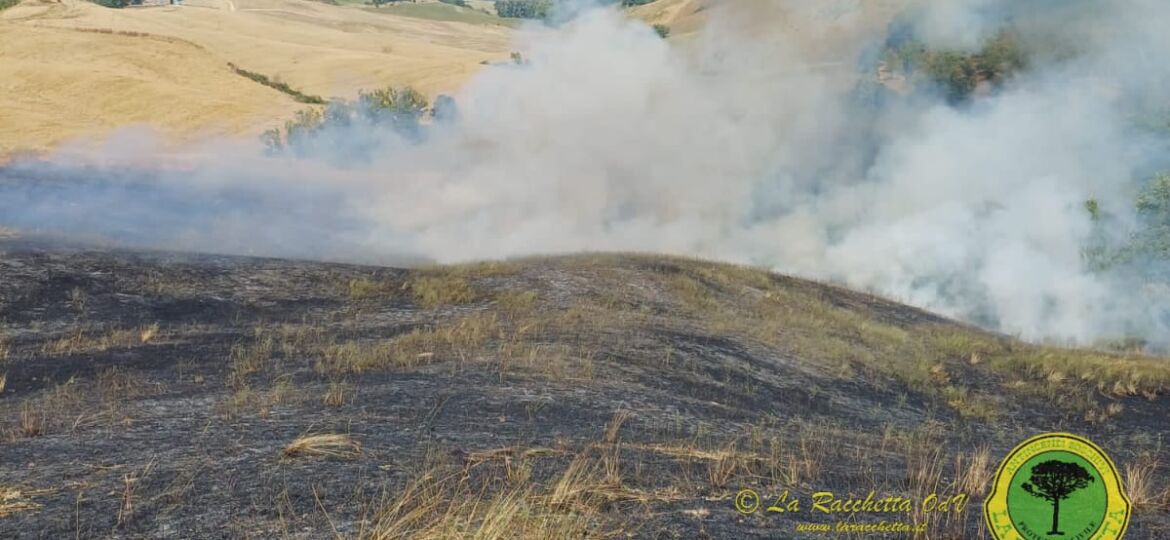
[{"x": 159, "y": 395}]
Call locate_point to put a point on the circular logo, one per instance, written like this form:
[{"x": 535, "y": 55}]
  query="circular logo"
[
  {"x": 1057, "y": 485},
  {"x": 747, "y": 501}
]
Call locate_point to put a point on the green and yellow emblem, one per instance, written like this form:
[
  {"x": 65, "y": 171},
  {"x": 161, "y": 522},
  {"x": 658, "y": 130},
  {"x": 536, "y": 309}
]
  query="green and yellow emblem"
[{"x": 1057, "y": 485}]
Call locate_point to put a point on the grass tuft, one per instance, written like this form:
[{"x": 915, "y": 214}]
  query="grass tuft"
[
  {"x": 441, "y": 290},
  {"x": 330, "y": 445}
]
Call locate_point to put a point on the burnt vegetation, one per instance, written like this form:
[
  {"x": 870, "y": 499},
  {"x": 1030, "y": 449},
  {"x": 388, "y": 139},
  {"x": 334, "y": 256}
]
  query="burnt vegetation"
[{"x": 180, "y": 396}]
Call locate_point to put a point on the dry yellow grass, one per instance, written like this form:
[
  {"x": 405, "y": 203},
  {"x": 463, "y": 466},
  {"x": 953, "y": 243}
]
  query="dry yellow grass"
[
  {"x": 55, "y": 409},
  {"x": 60, "y": 84},
  {"x": 84, "y": 340},
  {"x": 14, "y": 499},
  {"x": 442, "y": 503},
  {"x": 434, "y": 291},
  {"x": 336, "y": 395},
  {"x": 1141, "y": 483},
  {"x": 323, "y": 445},
  {"x": 820, "y": 31},
  {"x": 167, "y": 66},
  {"x": 412, "y": 349},
  {"x": 682, "y": 16}
]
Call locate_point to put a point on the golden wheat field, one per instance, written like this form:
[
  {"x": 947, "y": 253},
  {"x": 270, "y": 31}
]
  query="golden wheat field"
[{"x": 77, "y": 69}]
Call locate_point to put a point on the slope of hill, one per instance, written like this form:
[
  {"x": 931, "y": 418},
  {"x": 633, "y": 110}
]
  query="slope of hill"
[
  {"x": 183, "y": 85},
  {"x": 179, "y": 396},
  {"x": 682, "y": 16},
  {"x": 61, "y": 83}
]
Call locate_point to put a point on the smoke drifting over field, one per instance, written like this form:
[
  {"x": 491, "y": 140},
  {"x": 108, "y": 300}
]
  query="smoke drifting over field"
[{"x": 750, "y": 142}]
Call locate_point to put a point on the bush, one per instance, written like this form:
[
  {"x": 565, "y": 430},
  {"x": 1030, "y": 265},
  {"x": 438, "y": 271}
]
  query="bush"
[
  {"x": 662, "y": 30},
  {"x": 460, "y": 3},
  {"x": 1149, "y": 242},
  {"x": 5, "y": 4},
  {"x": 523, "y": 9},
  {"x": 380, "y": 3},
  {"x": 1152, "y": 240},
  {"x": 958, "y": 74},
  {"x": 352, "y": 130}
]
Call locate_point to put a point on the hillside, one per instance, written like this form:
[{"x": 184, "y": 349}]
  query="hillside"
[
  {"x": 820, "y": 30},
  {"x": 168, "y": 65},
  {"x": 58, "y": 85},
  {"x": 179, "y": 396},
  {"x": 173, "y": 60}
]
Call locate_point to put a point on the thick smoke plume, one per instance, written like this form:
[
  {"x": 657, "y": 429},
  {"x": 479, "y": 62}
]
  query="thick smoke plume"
[{"x": 763, "y": 139}]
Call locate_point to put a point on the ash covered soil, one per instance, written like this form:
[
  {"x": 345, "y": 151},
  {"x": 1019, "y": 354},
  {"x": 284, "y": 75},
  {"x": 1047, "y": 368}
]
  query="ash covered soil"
[{"x": 162, "y": 395}]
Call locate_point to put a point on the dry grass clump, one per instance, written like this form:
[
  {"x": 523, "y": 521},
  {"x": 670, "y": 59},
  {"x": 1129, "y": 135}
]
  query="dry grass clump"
[
  {"x": 117, "y": 384},
  {"x": 1145, "y": 489},
  {"x": 332, "y": 445},
  {"x": 336, "y": 395},
  {"x": 246, "y": 359},
  {"x": 83, "y": 341},
  {"x": 263, "y": 402},
  {"x": 516, "y": 304},
  {"x": 51, "y": 411},
  {"x": 131, "y": 483},
  {"x": 441, "y": 290},
  {"x": 445, "y": 504},
  {"x": 974, "y": 471},
  {"x": 14, "y": 500},
  {"x": 966, "y": 477},
  {"x": 417, "y": 347},
  {"x": 364, "y": 288},
  {"x": 482, "y": 269}
]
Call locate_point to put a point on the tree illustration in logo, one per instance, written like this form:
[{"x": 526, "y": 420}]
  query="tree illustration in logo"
[{"x": 1055, "y": 481}]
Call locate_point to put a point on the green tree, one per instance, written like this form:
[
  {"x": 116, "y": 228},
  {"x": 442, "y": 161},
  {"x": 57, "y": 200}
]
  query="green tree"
[
  {"x": 349, "y": 129},
  {"x": 1154, "y": 202},
  {"x": 523, "y": 9},
  {"x": 957, "y": 73},
  {"x": 1055, "y": 481}
]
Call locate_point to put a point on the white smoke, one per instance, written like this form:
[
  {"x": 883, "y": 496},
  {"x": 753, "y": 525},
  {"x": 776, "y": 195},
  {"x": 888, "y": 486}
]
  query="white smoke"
[{"x": 740, "y": 144}]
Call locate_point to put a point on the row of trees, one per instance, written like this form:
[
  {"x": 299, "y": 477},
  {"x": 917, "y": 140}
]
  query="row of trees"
[
  {"x": 523, "y": 9},
  {"x": 540, "y": 9}
]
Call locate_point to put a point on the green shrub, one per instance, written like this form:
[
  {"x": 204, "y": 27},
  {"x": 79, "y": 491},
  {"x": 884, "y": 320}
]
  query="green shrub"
[
  {"x": 959, "y": 73},
  {"x": 662, "y": 30},
  {"x": 397, "y": 110},
  {"x": 1149, "y": 242},
  {"x": 523, "y": 9}
]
